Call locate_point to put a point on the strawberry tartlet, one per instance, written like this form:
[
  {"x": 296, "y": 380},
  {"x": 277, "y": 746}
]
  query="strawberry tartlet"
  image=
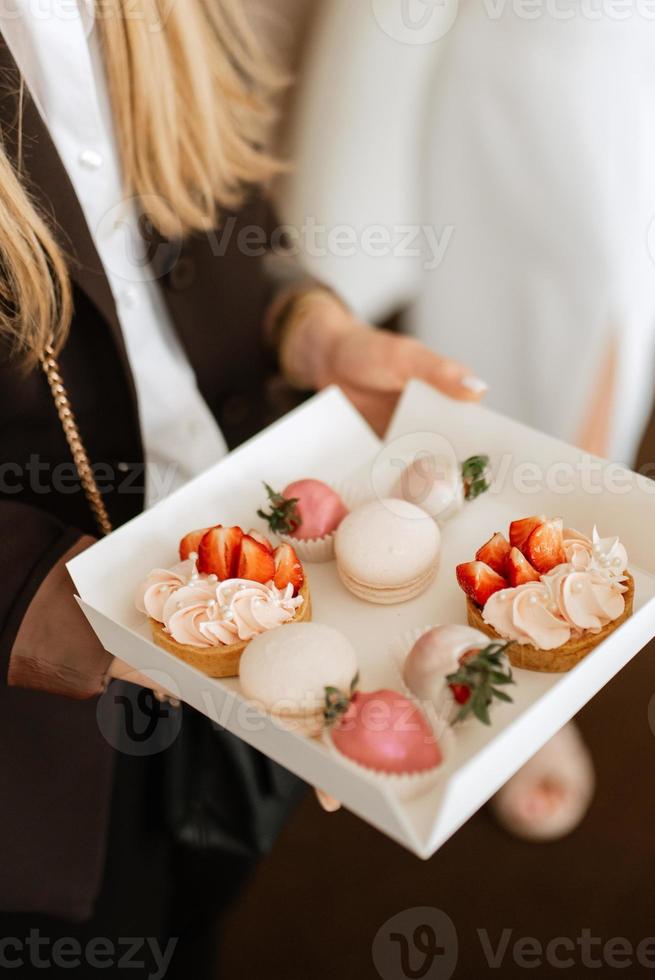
[
  {"x": 552, "y": 592},
  {"x": 227, "y": 588}
]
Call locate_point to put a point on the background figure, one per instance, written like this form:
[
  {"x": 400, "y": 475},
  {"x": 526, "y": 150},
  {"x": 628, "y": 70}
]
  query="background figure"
[{"x": 522, "y": 151}]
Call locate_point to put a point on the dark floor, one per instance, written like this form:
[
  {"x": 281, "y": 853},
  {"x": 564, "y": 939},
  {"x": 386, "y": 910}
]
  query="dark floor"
[{"x": 315, "y": 906}]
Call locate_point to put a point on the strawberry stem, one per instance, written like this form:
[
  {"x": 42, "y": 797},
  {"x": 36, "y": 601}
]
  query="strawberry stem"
[
  {"x": 337, "y": 702},
  {"x": 475, "y": 476},
  {"x": 483, "y": 674},
  {"x": 284, "y": 516}
]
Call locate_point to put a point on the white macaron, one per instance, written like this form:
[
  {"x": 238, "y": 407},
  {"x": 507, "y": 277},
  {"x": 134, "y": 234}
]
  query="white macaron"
[
  {"x": 287, "y": 670},
  {"x": 387, "y": 551}
]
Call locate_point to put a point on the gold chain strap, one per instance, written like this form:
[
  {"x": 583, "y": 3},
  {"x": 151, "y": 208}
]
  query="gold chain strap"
[{"x": 73, "y": 438}]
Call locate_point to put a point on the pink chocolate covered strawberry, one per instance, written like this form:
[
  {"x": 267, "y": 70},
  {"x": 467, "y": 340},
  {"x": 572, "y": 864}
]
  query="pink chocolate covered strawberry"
[
  {"x": 306, "y": 509},
  {"x": 383, "y": 731}
]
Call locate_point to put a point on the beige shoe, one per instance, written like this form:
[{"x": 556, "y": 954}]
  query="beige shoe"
[{"x": 548, "y": 798}]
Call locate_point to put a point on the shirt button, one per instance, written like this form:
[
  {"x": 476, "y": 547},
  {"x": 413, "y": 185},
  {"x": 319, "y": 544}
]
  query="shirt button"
[
  {"x": 91, "y": 159},
  {"x": 130, "y": 298},
  {"x": 182, "y": 275}
]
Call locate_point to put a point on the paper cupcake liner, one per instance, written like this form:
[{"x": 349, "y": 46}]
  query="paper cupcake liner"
[
  {"x": 313, "y": 551},
  {"x": 405, "y": 786},
  {"x": 444, "y": 707},
  {"x": 316, "y": 551}
]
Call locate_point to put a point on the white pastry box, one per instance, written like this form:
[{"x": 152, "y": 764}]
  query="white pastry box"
[{"x": 327, "y": 439}]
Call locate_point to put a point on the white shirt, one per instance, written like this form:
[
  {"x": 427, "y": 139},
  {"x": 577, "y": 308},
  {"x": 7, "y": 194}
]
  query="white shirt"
[
  {"x": 525, "y": 147},
  {"x": 55, "y": 47}
]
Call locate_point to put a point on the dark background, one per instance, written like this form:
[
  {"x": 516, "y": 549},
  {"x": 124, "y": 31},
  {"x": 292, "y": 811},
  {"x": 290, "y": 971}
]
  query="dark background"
[{"x": 312, "y": 910}]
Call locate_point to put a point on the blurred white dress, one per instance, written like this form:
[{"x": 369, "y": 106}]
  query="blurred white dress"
[{"x": 521, "y": 150}]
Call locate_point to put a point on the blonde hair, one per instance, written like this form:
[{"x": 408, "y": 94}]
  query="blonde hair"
[{"x": 191, "y": 93}]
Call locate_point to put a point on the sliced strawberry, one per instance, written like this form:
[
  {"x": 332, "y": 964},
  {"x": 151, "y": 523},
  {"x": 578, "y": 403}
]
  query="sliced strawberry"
[
  {"x": 258, "y": 536},
  {"x": 520, "y": 531},
  {"x": 218, "y": 552},
  {"x": 519, "y": 569},
  {"x": 191, "y": 542},
  {"x": 479, "y": 581},
  {"x": 545, "y": 548},
  {"x": 495, "y": 552},
  {"x": 461, "y": 693},
  {"x": 256, "y": 561},
  {"x": 288, "y": 569}
]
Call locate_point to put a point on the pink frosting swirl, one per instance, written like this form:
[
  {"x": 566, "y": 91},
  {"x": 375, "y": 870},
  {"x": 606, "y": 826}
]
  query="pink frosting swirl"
[
  {"x": 203, "y": 613},
  {"x": 589, "y": 600},
  {"x": 152, "y": 594},
  {"x": 604, "y": 555},
  {"x": 255, "y": 608},
  {"x": 578, "y": 548},
  {"x": 527, "y": 614},
  {"x": 585, "y": 593},
  {"x": 187, "y": 611},
  {"x": 198, "y": 610}
]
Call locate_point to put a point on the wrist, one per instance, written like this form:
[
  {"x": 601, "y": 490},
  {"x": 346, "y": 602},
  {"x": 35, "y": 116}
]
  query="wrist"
[{"x": 316, "y": 323}]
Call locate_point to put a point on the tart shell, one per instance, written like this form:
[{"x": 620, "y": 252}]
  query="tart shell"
[
  {"x": 219, "y": 661},
  {"x": 562, "y": 658}
]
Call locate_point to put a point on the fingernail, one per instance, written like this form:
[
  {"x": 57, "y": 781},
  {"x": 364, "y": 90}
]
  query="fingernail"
[
  {"x": 329, "y": 803},
  {"x": 476, "y": 385}
]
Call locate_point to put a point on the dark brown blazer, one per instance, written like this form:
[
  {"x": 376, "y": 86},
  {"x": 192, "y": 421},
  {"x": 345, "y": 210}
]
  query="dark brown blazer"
[{"x": 55, "y": 767}]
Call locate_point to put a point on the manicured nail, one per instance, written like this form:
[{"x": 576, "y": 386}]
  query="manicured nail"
[
  {"x": 329, "y": 803},
  {"x": 476, "y": 385}
]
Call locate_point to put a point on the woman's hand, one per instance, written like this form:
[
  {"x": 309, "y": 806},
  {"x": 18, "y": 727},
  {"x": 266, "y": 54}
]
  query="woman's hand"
[
  {"x": 323, "y": 343},
  {"x": 328, "y": 803},
  {"x": 120, "y": 671}
]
